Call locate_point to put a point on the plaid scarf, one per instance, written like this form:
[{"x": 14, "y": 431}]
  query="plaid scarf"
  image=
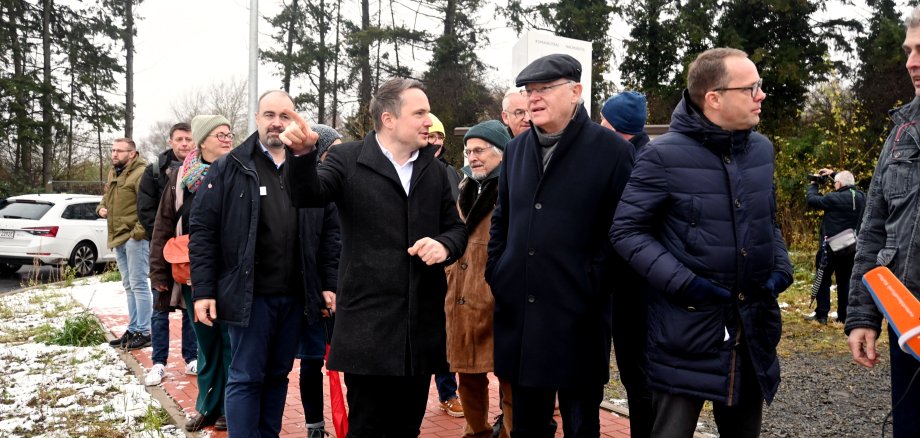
[{"x": 193, "y": 171}]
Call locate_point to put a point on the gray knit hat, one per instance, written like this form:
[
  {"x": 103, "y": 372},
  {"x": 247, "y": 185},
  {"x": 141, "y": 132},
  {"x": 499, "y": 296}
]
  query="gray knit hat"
[
  {"x": 327, "y": 135},
  {"x": 203, "y": 125},
  {"x": 491, "y": 131}
]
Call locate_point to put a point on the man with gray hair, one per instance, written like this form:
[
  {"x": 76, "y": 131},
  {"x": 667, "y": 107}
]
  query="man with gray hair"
[
  {"x": 843, "y": 209},
  {"x": 400, "y": 228},
  {"x": 514, "y": 112},
  {"x": 887, "y": 238}
]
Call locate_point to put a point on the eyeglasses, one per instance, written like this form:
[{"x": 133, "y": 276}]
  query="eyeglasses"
[
  {"x": 223, "y": 137},
  {"x": 543, "y": 90},
  {"x": 435, "y": 137},
  {"x": 477, "y": 151},
  {"x": 518, "y": 113},
  {"x": 754, "y": 88}
]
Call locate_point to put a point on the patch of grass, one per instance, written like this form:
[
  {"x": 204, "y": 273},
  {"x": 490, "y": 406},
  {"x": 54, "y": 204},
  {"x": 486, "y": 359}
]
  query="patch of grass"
[
  {"x": 155, "y": 418},
  {"x": 6, "y": 312},
  {"x": 67, "y": 274},
  {"x": 110, "y": 274},
  {"x": 18, "y": 336},
  {"x": 81, "y": 330},
  {"x": 83, "y": 424}
]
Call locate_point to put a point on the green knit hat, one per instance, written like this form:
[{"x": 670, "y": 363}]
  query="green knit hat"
[
  {"x": 203, "y": 125},
  {"x": 491, "y": 131}
]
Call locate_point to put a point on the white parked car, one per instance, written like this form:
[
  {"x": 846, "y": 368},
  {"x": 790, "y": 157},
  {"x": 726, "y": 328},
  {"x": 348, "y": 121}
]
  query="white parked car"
[{"x": 53, "y": 229}]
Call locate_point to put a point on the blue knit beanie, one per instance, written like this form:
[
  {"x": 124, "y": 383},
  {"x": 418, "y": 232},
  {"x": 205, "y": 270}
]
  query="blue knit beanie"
[{"x": 626, "y": 112}]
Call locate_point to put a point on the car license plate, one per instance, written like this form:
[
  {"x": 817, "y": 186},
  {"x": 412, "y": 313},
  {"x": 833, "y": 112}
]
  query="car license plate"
[{"x": 7, "y": 234}]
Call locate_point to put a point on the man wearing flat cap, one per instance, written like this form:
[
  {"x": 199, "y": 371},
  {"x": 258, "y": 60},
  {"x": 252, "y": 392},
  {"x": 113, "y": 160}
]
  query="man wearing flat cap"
[{"x": 549, "y": 263}]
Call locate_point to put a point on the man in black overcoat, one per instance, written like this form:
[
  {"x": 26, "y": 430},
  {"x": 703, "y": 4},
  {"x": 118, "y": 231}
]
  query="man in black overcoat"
[
  {"x": 400, "y": 227},
  {"x": 549, "y": 259}
]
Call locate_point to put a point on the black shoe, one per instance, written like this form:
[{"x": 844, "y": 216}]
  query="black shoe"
[
  {"x": 822, "y": 321},
  {"x": 220, "y": 423},
  {"x": 119, "y": 342},
  {"x": 497, "y": 427},
  {"x": 137, "y": 341},
  {"x": 199, "y": 422}
]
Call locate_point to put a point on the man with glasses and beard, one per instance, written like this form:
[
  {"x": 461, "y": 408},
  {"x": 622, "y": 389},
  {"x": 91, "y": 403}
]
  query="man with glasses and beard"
[
  {"x": 698, "y": 221},
  {"x": 549, "y": 261}
]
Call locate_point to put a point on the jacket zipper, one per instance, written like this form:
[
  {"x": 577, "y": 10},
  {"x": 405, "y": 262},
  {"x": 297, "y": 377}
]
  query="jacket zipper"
[{"x": 734, "y": 359}]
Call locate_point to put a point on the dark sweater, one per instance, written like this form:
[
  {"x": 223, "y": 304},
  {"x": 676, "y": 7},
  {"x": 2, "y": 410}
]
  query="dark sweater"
[{"x": 276, "y": 269}]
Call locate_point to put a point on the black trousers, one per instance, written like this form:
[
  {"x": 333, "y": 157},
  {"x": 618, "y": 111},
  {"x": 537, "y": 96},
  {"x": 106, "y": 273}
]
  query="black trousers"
[
  {"x": 676, "y": 415},
  {"x": 842, "y": 268},
  {"x": 630, "y": 328},
  {"x": 533, "y": 411},
  {"x": 386, "y": 406}
]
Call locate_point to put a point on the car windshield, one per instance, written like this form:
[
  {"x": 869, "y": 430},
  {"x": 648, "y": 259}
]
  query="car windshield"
[{"x": 22, "y": 209}]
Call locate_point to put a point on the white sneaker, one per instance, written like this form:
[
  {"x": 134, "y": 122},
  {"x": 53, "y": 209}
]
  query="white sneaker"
[
  {"x": 155, "y": 375},
  {"x": 191, "y": 368}
]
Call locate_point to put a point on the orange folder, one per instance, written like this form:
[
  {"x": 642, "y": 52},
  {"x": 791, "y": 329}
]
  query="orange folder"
[{"x": 900, "y": 307}]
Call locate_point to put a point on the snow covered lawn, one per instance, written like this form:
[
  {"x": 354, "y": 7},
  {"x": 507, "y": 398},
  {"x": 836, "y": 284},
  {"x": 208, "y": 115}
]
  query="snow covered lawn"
[{"x": 60, "y": 391}]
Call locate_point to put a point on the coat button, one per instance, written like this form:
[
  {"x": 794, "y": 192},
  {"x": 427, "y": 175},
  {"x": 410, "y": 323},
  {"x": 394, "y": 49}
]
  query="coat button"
[
  {"x": 743, "y": 252},
  {"x": 737, "y": 203},
  {"x": 463, "y": 266},
  {"x": 531, "y": 251},
  {"x": 727, "y": 159},
  {"x": 461, "y": 301},
  {"x": 538, "y": 206},
  {"x": 531, "y": 298},
  {"x": 741, "y": 296}
]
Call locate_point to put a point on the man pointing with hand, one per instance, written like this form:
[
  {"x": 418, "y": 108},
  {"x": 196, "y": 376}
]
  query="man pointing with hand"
[
  {"x": 261, "y": 266},
  {"x": 400, "y": 227}
]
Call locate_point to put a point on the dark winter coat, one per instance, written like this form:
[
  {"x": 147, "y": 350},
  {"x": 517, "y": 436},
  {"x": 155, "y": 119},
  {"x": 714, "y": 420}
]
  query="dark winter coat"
[
  {"x": 153, "y": 182},
  {"x": 843, "y": 208},
  {"x": 549, "y": 257},
  {"x": 700, "y": 202},
  {"x": 389, "y": 306},
  {"x": 223, "y": 228},
  {"x": 888, "y": 234}
]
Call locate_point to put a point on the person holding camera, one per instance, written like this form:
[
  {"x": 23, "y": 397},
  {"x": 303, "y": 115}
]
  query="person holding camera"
[{"x": 843, "y": 210}]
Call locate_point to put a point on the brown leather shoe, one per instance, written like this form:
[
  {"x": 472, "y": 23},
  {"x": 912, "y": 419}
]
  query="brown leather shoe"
[
  {"x": 221, "y": 423},
  {"x": 198, "y": 422},
  {"x": 452, "y": 407}
]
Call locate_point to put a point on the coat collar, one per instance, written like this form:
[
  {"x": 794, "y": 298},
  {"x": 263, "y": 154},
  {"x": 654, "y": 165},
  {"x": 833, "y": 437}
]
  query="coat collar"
[
  {"x": 371, "y": 157},
  {"x": 569, "y": 134}
]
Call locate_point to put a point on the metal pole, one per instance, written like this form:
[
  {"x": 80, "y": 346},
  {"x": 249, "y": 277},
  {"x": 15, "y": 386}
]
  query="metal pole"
[{"x": 253, "y": 63}]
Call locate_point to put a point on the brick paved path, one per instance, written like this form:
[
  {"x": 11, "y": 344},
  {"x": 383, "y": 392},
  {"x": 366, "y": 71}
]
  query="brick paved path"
[{"x": 109, "y": 305}]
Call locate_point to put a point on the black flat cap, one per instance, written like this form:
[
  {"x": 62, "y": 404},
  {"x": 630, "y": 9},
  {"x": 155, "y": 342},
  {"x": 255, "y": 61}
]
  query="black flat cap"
[{"x": 549, "y": 68}]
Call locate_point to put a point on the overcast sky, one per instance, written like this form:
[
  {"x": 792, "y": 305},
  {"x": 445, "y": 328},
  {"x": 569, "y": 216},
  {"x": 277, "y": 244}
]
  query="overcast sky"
[{"x": 184, "y": 45}]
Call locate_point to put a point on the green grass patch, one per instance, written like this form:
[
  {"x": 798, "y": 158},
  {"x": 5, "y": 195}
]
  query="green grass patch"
[
  {"x": 81, "y": 330},
  {"x": 18, "y": 336},
  {"x": 110, "y": 274},
  {"x": 155, "y": 418}
]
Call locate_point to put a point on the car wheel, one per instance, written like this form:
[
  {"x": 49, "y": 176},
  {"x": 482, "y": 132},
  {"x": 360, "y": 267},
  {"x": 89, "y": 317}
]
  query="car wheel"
[
  {"x": 83, "y": 258},
  {"x": 7, "y": 269}
]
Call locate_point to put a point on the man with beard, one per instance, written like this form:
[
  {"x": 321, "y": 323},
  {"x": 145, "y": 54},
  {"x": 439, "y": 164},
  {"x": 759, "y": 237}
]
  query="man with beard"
[
  {"x": 399, "y": 229},
  {"x": 549, "y": 263},
  {"x": 514, "y": 112},
  {"x": 469, "y": 303},
  {"x": 129, "y": 240},
  {"x": 261, "y": 266}
]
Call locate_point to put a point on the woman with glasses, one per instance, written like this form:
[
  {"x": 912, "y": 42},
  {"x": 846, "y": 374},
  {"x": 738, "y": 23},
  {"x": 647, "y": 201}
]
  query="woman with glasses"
[{"x": 214, "y": 139}]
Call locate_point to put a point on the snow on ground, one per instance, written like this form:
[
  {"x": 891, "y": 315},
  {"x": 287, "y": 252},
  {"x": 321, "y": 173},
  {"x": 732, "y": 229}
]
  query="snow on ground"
[{"x": 56, "y": 391}]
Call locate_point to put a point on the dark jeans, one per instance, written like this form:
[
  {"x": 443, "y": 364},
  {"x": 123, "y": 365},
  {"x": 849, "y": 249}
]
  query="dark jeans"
[
  {"x": 263, "y": 355},
  {"x": 447, "y": 386},
  {"x": 311, "y": 353},
  {"x": 676, "y": 415},
  {"x": 386, "y": 406},
  {"x": 842, "y": 268},
  {"x": 159, "y": 334},
  {"x": 533, "y": 411},
  {"x": 630, "y": 325},
  {"x": 904, "y": 367}
]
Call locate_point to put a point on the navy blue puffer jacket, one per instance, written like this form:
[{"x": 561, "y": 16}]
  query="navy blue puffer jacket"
[{"x": 700, "y": 202}]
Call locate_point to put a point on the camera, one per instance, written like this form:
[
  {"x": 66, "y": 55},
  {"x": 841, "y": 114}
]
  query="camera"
[{"x": 818, "y": 179}]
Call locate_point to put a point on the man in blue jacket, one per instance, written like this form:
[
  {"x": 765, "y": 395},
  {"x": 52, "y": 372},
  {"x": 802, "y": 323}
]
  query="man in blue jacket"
[
  {"x": 697, "y": 220},
  {"x": 549, "y": 261},
  {"x": 260, "y": 265}
]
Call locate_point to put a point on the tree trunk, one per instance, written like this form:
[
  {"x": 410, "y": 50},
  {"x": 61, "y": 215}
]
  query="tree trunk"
[
  {"x": 129, "y": 68},
  {"x": 20, "y": 104},
  {"x": 450, "y": 17},
  {"x": 47, "y": 111},
  {"x": 289, "y": 48},
  {"x": 322, "y": 64},
  {"x": 364, "y": 53},
  {"x": 335, "y": 65}
]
